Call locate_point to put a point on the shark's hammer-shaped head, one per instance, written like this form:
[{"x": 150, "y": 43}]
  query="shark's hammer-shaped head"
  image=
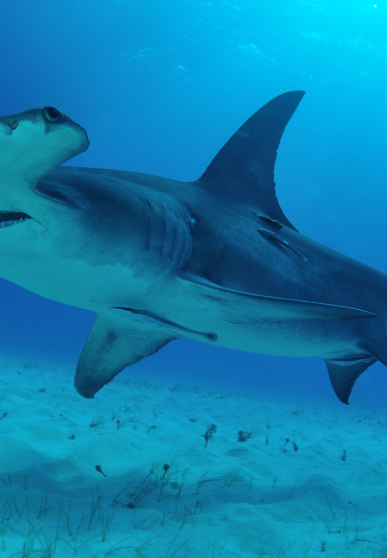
[{"x": 31, "y": 144}]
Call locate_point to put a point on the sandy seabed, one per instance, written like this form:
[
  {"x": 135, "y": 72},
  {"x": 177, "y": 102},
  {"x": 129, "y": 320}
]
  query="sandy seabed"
[{"x": 309, "y": 479}]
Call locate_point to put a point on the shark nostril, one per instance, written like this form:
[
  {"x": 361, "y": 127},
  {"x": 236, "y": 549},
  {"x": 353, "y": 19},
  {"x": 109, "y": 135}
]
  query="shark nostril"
[
  {"x": 13, "y": 125},
  {"x": 52, "y": 114}
]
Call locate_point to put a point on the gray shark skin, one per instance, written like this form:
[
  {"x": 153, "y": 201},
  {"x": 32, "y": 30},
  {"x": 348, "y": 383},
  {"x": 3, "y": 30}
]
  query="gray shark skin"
[{"x": 214, "y": 260}]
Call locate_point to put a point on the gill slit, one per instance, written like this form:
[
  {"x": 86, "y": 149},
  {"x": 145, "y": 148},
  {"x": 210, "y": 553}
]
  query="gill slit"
[
  {"x": 165, "y": 231},
  {"x": 150, "y": 225}
]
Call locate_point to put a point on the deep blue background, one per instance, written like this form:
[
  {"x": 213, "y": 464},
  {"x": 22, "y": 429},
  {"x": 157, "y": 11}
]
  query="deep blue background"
[{"x": 160, "y": 86}]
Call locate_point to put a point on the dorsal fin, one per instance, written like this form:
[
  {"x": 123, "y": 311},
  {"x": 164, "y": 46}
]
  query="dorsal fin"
[{"x": 244, "y": 167}]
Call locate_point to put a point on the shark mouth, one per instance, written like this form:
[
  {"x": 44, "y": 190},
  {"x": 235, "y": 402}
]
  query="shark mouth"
[{"x": 8, "y": 218}]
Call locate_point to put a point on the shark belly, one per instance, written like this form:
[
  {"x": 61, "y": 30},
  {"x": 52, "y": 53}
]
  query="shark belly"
[
  {"x": 170, "y": 306},
  {"x": 194, "y": 318},
  {"x": 293, "y": 338}
]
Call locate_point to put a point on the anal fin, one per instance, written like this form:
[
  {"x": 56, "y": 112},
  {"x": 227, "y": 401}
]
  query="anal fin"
[
  {"x": 344, "y": 373},
  {"x": 112, "y": 345}
]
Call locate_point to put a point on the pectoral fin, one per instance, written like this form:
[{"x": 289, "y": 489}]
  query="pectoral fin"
[
  {"x": 113, "y": 344},
  {"x": 268, "y": 308}
]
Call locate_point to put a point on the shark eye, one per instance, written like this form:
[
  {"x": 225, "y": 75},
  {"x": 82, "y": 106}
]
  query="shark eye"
[{"x": 52, "y": 114}]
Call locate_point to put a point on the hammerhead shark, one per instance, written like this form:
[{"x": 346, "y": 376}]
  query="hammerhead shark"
[{"x": 214, "y": 260}]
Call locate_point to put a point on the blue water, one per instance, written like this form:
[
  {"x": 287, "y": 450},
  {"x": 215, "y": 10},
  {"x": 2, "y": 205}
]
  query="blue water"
[{"x": 160, "y": 86}]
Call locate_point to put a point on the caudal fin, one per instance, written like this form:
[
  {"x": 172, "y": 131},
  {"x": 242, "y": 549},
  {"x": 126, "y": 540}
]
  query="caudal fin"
[{"x": 343, "y": 374}]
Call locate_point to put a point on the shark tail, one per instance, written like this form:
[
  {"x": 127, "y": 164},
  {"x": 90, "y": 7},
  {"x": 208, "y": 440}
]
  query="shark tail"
[{"x": 344, "y": 373}]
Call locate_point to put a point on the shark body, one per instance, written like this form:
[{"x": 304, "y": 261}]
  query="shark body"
[{"x": 214, "y": 260}]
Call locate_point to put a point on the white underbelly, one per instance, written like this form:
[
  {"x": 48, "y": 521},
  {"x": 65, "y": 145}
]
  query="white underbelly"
[
  {"x": 307, "y": 338},
  {"x": 201, "y": 322}
]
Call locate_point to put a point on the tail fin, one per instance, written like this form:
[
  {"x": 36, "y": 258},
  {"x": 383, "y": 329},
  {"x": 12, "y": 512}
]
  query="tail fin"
[{"x": 344, "y": 373}]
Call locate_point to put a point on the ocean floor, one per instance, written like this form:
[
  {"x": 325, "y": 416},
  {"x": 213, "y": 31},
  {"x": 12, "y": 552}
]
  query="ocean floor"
[{"x": 307, "y": 479}]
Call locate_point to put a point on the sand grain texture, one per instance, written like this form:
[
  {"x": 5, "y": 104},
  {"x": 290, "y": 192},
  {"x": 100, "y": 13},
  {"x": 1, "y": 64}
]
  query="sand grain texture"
[{"x": 262, "y": 497}]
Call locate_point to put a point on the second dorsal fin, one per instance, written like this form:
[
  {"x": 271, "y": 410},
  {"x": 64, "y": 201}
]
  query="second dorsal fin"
[{"x": 244, "y": 167}]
